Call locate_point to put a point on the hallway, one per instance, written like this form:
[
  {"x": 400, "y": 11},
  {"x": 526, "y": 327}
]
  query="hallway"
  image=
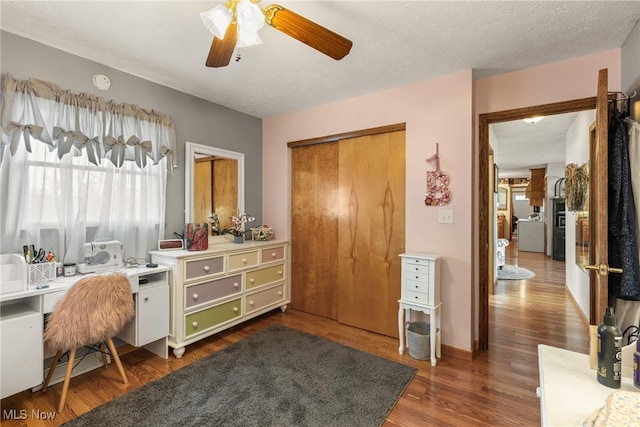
[{"x": 538, "y": 310}]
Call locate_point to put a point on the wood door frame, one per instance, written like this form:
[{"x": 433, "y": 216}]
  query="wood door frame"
[{"x": 484, "y": 120}]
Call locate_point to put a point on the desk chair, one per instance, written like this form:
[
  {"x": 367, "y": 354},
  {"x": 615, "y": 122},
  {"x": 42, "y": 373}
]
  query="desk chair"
[{"x": 93, "y": 311}]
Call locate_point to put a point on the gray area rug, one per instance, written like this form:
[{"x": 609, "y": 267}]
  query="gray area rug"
[
  {"x": 275, "y": 377},
  {"x": 512, "y": 272}
]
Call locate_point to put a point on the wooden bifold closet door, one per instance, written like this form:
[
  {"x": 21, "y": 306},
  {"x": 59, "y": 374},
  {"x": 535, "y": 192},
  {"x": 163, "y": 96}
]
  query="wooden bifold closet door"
[{"x": 348, "y": 202}]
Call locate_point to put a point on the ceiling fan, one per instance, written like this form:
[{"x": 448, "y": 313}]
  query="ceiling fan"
[{"x": 236, "y": 23}]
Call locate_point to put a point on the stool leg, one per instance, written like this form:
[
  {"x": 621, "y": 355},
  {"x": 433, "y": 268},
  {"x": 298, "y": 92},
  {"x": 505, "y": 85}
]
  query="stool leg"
[
  {"x": 67, "y": 378},
  {"x": 51, "y": 369},
  {"x": 103, "y": 352},
  {"x": 116, "y": 358}
]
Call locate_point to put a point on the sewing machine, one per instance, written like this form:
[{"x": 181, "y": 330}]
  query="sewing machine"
[{"x": 102, "y": 256}]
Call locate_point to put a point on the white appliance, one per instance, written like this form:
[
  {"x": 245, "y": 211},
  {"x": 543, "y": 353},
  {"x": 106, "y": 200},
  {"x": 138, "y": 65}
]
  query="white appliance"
[{"x": 101, "y": 256}]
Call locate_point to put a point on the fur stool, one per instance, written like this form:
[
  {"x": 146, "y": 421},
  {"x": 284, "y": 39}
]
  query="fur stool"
[{"x": 93, "y": 311}]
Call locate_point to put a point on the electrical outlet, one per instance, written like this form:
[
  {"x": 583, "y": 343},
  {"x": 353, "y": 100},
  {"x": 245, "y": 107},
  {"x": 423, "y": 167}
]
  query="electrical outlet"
[{"x": 445, "y": 217}]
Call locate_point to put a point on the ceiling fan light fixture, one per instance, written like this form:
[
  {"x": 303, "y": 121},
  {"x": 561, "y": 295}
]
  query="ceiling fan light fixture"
[
  {"x": 248, "y": 38},
  {"x": 533, "y": 120},
  {"x": 217, "y": 20}
]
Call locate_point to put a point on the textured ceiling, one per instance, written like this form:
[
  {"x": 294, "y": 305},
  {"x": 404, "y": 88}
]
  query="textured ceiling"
[
  {"x": 520, "y": 146},
  {"x": 394, "y": 43}
]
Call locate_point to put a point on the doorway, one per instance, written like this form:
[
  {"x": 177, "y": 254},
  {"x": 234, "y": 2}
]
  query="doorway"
[{"x": 485, "y": 213}]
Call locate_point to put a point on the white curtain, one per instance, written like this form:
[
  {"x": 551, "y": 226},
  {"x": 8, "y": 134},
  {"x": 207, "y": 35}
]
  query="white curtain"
[{"x": 75, "y": 168}]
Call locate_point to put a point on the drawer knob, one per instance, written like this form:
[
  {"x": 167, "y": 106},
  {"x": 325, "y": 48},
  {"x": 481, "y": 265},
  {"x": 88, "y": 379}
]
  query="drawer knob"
[
  {"x": 207, "y": 268},
  {"x": 236, "y": 285},
  {"x": 416, "y": 297},
  {"x": 146, "y": 299},
  {"x": 195, "y": 296},
  {"x": 273, "y": 254},
  {"x": 251, "y": 303},
  {"x": 417, "y": 277},
  {"x": 417, "y": 269},
  {"x": 252, "y": 280},
  {"x": 235, "y": 309},
  {"x": 244, "y": 260},
  {"x": 280, "y": 293},
  {"x": 195, "y": 325},
  {"x": 417, "y": 287},
  {"x": 279, "y": 272}
]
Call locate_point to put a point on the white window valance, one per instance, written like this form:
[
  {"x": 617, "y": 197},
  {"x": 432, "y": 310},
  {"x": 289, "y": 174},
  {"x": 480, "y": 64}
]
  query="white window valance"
[{"x": 36, "y": 111}]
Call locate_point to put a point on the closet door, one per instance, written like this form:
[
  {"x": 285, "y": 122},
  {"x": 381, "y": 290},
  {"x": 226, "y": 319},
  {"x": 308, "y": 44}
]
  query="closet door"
[
  {"x": 314, "y": 229},
  {"x": 371, "y": 230}
]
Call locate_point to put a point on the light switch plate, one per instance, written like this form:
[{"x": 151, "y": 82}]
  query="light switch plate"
[{"x": 445, "y": 217}]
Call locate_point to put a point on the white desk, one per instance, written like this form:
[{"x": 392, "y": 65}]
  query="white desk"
[
  {"x": 569, "y": 391},
  {"x": 22, "y": 318}
]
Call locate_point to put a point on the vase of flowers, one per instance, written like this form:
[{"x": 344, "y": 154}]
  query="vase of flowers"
[{"x": 238, "y": 230}]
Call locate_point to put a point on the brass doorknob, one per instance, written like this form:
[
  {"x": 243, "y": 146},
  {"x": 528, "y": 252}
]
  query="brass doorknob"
[{"x": 603, "y": 269}]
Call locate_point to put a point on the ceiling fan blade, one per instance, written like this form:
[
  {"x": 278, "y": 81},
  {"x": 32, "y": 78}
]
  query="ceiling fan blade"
[
  {"x": 308, "y": 32},
  {"x": 222, "y": 49}
]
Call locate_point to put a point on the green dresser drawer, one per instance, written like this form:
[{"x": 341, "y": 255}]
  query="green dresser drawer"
[
  {"x": 265, "y": 276},
  {"x": 206, "y": 319}
]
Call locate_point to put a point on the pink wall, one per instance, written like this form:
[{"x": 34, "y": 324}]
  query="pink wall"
[
  {"x": 438, "y": 110},
  {"x": 560, "y": 81}
]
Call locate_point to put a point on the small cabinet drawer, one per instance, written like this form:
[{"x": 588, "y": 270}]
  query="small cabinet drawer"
[
  {"x": 420, "y": 297},
  {"x": 418, "y": 261},
  {"x": 417, "y": 269},
  {"x": 272, "y": 254},
  {"x": 50, "y": 300},
  {"x": 265, "y": 276},
  {"x": 210, "y": 317},
  {"x": 197, "y": 268},
  {"x": 212, "y": 290},
  {"x": 417, "y": 286},
  {"x": 243, "y": 260},
  {"x": 264, "y": 298}
]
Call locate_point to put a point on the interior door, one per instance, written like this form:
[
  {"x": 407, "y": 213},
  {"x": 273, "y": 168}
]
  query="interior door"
[
  {"x": 314, "y": 229},
  {"x": 598, "y": 205},
  {"x": 371, "y": 230}
]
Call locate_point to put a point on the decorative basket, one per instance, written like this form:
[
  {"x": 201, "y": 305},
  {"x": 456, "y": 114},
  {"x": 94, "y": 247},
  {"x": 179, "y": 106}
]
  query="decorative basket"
[
  {"x": 42, "y": 272},
  {"x": 262, "y": 233}
]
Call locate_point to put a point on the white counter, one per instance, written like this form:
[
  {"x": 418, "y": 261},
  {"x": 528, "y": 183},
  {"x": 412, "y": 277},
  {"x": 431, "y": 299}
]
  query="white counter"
[
  {"x": 530, "y": 235},
  {"x": 569, "y": 391}
]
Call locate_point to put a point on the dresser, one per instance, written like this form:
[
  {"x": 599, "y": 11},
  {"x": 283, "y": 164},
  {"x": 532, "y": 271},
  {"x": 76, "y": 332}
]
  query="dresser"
[
  {"x": 420, "y": 292},
  {"x": 223, "y": 286}
]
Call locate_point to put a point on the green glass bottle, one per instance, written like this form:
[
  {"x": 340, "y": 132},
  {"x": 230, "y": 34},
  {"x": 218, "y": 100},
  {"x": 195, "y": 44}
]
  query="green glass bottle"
[{"x": 609, "y": 351}]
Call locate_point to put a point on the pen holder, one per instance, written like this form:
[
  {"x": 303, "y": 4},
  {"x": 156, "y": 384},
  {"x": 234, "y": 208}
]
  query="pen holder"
[{"x": 42, "y": 272}]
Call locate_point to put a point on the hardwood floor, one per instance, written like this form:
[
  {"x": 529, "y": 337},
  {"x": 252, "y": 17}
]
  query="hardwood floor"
[{"x": 497, "y": 388}]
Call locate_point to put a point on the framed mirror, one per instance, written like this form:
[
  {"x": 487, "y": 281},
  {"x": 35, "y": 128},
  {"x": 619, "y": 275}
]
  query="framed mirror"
[{"x": 214, "y": 183}]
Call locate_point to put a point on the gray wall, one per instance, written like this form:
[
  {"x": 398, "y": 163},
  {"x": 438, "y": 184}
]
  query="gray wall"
[{"x": 195, "y": 120}]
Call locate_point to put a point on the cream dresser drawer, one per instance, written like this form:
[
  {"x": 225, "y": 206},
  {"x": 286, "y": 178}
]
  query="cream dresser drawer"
[
  {"x": 203, "y": 267},
  {"x": 243, "y": 260},
  {"x": 272, "y": 254},
  {"x": 210, "y": 317},
  {"x": 264, "y": 298},
  {"x": 264, "y": 276},
  {"x": 212, "y": 290}
]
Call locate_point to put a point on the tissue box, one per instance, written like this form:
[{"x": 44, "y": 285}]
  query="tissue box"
[
  {"x": 264, "y": 232},
  {"x": 13, "y": 273},
  {"x": 42, "y": 272}
]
